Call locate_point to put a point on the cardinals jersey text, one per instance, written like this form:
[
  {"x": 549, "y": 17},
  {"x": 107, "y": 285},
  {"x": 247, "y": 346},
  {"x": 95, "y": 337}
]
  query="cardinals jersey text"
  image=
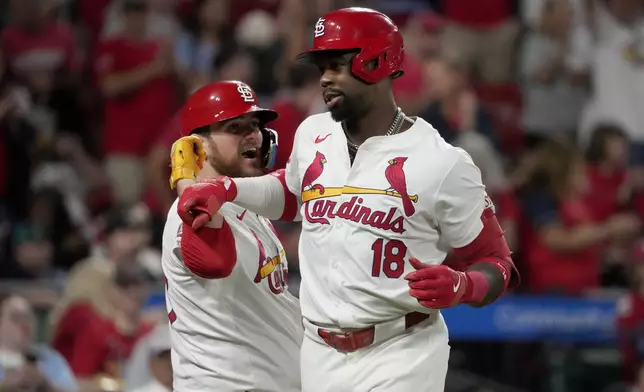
[
  {"x": 406, "y": 195},
  {"x": 239, "y": 333}
]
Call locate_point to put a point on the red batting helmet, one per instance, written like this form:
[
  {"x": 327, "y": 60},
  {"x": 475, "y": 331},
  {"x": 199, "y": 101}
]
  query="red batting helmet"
[
  {"x": 371, "y": 33},
  {"x": 225, "y": 100}
]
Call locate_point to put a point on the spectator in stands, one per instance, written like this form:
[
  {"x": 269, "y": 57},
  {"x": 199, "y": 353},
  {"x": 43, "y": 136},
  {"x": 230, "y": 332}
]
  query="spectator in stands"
[
  {"x": 135, "y": 76},
  {"x": 17, "y": 140},
  {"x": 161, "y": 20},
  {"x": 611, "y": 192},
  {"x": 616, "y": 54},
  {"x": 159, "y": 364},
  {"x": 235, "y": 63},
  {"x": 24, "y": 365},
  {"x": 258, "y": 33},
  {"x": 298, "y": 100},
  {"x": 456, "y": 109},
  {"x": 95, "y": 329},
  {"x": 486, "y": 31},
  {"x": 79, "y": 177},
  {"x": 126, "y": 238},
  {"x": 410, "y": 89},
  {"x": 46, "y": 244},
  {"x": 630, "y": 319},
  {"x": 158, "y": 196},
  {"x": 92, "y": 17},
  {"x": 549, "y": 83},
  {"x": 205, "y": 33},
  {"x": 610, "y": 189},
  {"x": 560, "y": 239},
  {"x": 423, "y": 33},
  {"x": 40, "y": 53}
]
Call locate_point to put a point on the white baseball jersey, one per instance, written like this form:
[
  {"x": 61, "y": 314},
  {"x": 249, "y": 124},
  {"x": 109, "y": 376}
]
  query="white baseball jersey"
[
  {"x": 406, "y": 195},
  {"x": 240, "y": 333}
]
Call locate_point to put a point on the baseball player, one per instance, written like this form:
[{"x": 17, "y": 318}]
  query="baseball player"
[
  {"x": 396, "y": 222},
  {"x": 234, "y": 325}
]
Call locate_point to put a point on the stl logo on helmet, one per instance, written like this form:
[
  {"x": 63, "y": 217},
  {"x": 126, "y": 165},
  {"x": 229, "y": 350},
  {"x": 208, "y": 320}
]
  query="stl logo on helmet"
[
  {"x": 319, "y": 28},
  {"x": 245, "y": 93}
]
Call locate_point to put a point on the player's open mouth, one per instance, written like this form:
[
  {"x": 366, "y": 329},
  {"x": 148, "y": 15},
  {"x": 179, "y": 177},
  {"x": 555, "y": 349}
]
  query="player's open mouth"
[
  {"x": 250, "y": 153},
  {"x": 332, "y": 98}
]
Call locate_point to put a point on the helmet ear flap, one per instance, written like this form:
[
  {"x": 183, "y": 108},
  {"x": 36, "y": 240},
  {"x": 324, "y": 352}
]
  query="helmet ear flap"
[
  {"x": 269, "y": 147},
  {"x": 373, "y": 65},
  {"x": 391, "y": 57}
]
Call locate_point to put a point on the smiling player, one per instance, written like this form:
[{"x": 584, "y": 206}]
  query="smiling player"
[
  {"x": 234, "y": 325},
  {"x": 378, "y": 191}
]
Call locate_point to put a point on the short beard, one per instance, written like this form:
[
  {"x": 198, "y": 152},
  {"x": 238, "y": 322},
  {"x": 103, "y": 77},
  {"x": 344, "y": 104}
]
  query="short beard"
[
  {"x": 228, "y": 169},
  {"x": 349, "y": 110}
]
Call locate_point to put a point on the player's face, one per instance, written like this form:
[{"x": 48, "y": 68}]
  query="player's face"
[
  {"x": 234, "y": 147},
  {"x": 346, "y": 97}
]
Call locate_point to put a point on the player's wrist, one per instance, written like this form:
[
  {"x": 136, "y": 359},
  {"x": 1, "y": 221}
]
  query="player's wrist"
[
  {"x": 183, "y": 184},
  {"x": 182, "y": 173},
  {"x": 223, "y": 188},
  {"x": 476, "y": 289}
]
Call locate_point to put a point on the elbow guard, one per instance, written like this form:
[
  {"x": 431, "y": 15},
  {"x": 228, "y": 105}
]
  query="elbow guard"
[
  {"x": 488, "y": 247},
  {"x": 209, "y": 253}
]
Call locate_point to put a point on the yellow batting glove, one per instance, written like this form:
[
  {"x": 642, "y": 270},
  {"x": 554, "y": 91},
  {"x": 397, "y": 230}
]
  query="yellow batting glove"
[{"x": 186, "y": 159}]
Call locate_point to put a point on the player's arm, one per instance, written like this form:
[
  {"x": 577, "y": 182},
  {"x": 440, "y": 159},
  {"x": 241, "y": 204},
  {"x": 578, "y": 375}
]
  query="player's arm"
[
  {"x": 274, "y": 195},
  {"x": 269, "y": 195},
  {"x": 480, "y": 268},
  {"x": 209, "y": 253}
]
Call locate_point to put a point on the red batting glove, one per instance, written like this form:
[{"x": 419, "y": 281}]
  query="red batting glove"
[
  {"x": 436, "y": 286},
  {"x": 200, "y": 202}
]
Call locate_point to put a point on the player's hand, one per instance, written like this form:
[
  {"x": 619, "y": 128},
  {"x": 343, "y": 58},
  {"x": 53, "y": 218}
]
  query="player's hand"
[
  {"x": 200, "y": 202},
  {"x": 186, "y": 159},
  {"x": 436, "y": 286}
]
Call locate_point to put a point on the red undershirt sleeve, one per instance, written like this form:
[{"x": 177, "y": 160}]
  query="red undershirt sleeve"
[
  {"x": 466, "y": 217},
  {"x": 209, "y": 253}
]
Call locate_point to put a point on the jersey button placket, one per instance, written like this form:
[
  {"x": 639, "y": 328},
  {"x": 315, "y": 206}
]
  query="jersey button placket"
[{"x": 338, "y": 278}]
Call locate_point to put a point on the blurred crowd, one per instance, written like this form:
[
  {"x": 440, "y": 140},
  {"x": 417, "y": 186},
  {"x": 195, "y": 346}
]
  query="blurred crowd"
[{"x": 543, "y": 94}]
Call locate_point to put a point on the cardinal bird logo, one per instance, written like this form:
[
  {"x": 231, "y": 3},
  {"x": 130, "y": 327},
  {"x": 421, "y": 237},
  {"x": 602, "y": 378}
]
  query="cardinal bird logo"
[
  {"x": 266, "y": 264},
  {"x": 313, "y": 173},
  {"x": 262, "y": 258},
  {"x": 398, "y": 183}
]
